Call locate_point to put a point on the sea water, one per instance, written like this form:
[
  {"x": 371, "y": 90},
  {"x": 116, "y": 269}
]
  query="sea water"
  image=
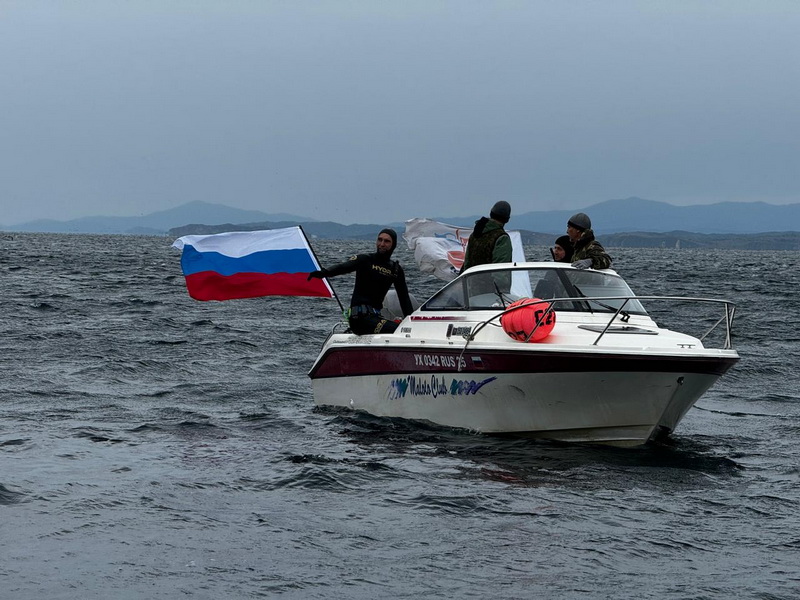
[{"x": 153, "y": 446}]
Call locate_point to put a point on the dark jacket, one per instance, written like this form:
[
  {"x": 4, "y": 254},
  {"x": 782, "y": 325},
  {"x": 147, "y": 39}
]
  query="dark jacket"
[
  {"x": 588, "y": 247},
  {"x": 489, "y": 243}
]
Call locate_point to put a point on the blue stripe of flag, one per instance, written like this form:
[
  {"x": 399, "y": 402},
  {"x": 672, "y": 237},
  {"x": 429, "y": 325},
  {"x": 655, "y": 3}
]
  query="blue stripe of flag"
[{"x": 296, "y": 260}]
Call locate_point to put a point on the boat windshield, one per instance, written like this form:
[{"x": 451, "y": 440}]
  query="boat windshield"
[{"x": 497, "y": 289}]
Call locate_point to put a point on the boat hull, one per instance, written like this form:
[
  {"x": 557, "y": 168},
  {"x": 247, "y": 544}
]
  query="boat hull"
[{"x": 608, "y": 398}]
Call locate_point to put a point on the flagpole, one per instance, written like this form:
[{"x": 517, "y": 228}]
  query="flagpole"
[{"x": 335, "y": 295}]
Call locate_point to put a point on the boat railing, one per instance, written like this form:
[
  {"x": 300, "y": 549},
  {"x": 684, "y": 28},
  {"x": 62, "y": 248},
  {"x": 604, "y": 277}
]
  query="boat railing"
[
  {"x": 728, "y": 311},
  {"x": 337, "y": 326}
]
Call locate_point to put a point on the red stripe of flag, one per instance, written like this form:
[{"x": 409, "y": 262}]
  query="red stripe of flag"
[{"x": 209, "y": 285}]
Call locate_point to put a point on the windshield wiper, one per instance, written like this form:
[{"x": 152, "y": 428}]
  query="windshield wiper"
[
  {"x": 499, "y": 293},
  {"x": 624, "y": 315}
]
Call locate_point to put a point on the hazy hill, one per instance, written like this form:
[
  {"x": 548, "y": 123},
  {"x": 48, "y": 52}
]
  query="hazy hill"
[
  {"x": 639, "y": 214},
  {"x": 627, "y": 215},
  {"x": 314, "y": 229},
  {"x": 158, "y": 222}
]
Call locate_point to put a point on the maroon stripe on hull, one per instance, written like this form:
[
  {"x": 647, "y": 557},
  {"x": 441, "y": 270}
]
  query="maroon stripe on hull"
[{"x": 347, "y": 362}]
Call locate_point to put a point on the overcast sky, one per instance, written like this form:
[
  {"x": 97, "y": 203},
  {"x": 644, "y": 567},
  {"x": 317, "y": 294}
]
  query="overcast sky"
[{"x": 379, "y": 111}]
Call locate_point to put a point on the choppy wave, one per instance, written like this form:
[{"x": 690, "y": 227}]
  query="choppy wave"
[{"x": 154, "y": 446}]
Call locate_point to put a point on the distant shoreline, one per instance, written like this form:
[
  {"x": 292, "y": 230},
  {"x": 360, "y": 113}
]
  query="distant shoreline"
[
  {"x": 680, "y": 240},
  {"x": 627, "y": 222},
  {"x": 786, "y": 240}
]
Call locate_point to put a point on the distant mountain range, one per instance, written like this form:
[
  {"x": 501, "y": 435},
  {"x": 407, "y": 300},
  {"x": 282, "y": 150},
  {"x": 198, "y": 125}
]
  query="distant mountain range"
[
  {"x": 638, "y": 214},
  {"x": 157, "y": 223},
  {"x": 634, "y": 222}
]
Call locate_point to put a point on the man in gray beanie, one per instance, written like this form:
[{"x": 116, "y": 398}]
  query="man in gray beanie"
[
  {"x": 587, "y": 252},
  {"x": 489, "y": 242}
]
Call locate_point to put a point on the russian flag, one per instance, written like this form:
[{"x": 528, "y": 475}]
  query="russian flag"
[{"x": 249, "y": 264}]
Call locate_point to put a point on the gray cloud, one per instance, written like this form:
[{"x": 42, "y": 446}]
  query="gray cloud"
[{"x": 373, "y": 111}]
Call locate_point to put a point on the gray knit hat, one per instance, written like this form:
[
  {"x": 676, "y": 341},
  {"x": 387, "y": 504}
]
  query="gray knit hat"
[
  {"x": 501, "y": 211},
  {"x": 580, "y": 221}
]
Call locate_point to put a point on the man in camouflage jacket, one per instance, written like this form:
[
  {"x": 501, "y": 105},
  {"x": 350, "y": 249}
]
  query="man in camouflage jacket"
[{"x": 587, "y": 253}]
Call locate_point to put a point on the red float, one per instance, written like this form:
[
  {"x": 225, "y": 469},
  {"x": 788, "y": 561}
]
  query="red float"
[{"x": 518, "y": 323}]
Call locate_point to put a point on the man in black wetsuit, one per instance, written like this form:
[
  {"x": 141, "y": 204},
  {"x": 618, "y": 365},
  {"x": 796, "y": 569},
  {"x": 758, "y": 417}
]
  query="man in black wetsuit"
[{"x": 375, "y": 274}]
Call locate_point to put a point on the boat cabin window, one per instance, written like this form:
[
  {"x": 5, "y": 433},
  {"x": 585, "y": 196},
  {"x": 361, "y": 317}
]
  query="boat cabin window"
[
  {"x": 494, "y": 290},
  {"x": 450, "y": 297}
]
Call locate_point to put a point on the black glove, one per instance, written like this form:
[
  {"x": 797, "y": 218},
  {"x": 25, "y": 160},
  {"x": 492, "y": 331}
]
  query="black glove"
[{"x": 316, "y": 274}]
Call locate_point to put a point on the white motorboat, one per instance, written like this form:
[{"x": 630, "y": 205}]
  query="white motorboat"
[{"x": 601, "y": 371}]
